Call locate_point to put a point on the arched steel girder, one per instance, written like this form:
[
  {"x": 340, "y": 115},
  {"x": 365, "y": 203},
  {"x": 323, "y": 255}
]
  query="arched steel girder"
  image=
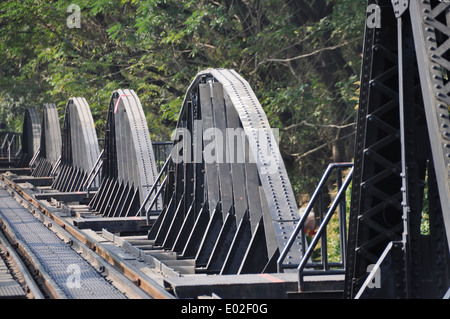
[
  {"x": 228, "y": 200},
  {"x": 31, "y": 136},
  {"x": 50, "y": 145},
  {"x": 80, "y": 149},
  {"x": 129, "y": 169}
]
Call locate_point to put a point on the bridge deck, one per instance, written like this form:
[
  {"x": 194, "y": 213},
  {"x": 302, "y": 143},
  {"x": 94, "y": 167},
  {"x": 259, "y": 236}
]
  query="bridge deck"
[{"x": 58, "y": 259}]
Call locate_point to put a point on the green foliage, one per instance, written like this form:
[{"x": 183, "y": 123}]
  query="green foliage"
[{"x": 302, "y": 59}]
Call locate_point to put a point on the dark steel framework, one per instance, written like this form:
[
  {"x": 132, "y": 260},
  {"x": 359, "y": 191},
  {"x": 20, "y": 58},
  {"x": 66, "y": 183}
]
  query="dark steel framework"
[
  {"x": 50, "y": 144},
  {"x": 129, "y": 169},
  {"x": 10, "y": 147},
  {"x": 80, "y": 149},
  {"x": 226, "y": 199},
  {"x": 230, "y": 212},
  {"x": 307, "y": 265},
  {"x": 402, "y": 156},
  {"x": 31, "y": 136}
]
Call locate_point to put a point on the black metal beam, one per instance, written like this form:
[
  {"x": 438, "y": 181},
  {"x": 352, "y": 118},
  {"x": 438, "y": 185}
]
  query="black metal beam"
[
  {"x": 399, "y": 155},
  {"x": 129, "y": 168},
  {"x": 225, "y": 205},
  {"x": 50, "y": 145},
  {"x": 31, "y": 136},
  {"x": 80, "y": 148}
]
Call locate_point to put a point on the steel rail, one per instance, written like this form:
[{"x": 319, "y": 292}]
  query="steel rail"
[
  {"x": 142, "y": 209},
  {"x": 107, "y": 270},
  {"x": 30, "y": 286},
  {"x": 136, "y": 276},
  {"x": 46, "y": 281}
]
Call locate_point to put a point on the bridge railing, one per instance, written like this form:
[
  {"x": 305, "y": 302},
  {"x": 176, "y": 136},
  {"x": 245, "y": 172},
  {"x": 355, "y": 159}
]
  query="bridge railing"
[
  {"x": 9, "y": 145},
  {"x": 162, "y": 151},
  {"x": 317, "y": 200},
  {"x": 156, "y": 191}
]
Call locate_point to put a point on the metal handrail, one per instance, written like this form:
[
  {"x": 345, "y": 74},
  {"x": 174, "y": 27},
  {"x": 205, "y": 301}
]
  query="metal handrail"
[
  {"x": 301, "y": 224},
  {"x": 10, "y": 144},
  {"x": 95, "y": 170},
  {"x": 322, "y": 229},
  {"x": 155, "y": 198},
  {"x": 55, "y": 168},
  {"x": 5, "y": 142},
  {"x": 142, "y": 209},
  {"x": 35, "y": 156}
]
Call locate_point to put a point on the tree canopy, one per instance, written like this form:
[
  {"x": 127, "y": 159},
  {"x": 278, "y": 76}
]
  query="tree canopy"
[{"x": 301, "y": 57}]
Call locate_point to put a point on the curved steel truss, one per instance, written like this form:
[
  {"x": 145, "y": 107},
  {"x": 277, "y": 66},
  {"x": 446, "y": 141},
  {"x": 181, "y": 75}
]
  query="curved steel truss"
[
  {"x": 50, "y": 145},
  {"x": 80, "y": 148},
  {"x": 129, "y": 168},
  {"x": 31, "y": 136},
  {"x": 402, "y": 158},
  {"x": 228, "y": 201}
]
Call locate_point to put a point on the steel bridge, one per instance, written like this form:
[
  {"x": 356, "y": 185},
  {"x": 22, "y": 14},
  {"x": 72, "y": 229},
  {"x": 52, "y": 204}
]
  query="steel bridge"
[{"x": 212, "y": 214}]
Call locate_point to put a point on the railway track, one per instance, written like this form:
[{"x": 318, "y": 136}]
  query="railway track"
[
  {"x": 15, "y": 279},
  {"x": 47, "y": 254}
]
